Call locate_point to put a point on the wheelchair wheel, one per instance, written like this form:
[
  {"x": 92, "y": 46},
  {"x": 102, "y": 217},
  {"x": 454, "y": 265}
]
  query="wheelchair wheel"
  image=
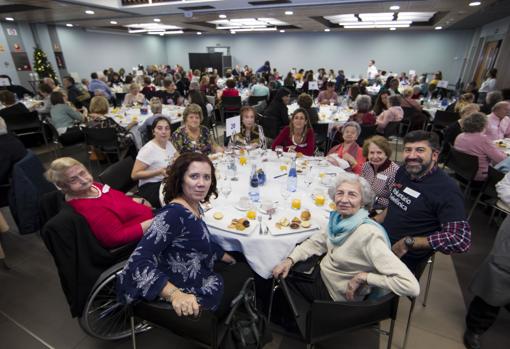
[{"x": 103, "y": 316}]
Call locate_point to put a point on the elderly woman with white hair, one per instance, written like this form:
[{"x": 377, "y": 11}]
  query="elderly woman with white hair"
[
  {"x": 358, "y": 259},
  {"x": 363, "y": 115}
]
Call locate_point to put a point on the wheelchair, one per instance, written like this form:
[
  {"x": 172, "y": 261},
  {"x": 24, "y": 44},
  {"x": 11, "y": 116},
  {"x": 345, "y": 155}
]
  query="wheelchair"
[{"x": 103, "y": 316}]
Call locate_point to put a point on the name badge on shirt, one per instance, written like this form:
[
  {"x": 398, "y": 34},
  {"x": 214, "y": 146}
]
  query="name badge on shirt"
[
  {"x": 411, "y": 192},
  {"x": 106, "y": 189},
  {"x": 382, "y": 176}
]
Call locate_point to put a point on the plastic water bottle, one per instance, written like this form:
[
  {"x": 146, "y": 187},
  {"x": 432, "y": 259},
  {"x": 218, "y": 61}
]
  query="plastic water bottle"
[
  {"x": 254, "y": 192},
  {"x": 292, "y": 177},
  {"x": 144, "y": 109}
]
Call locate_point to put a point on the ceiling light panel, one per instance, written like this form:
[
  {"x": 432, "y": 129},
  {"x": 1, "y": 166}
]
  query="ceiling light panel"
[
  {"x": 246, "y": 23},
  {"x": 150, "y": 27},
  {"x": 380, "y": 20}
]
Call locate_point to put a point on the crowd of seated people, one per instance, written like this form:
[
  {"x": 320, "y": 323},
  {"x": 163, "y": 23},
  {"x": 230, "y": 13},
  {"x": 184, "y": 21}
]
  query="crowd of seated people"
[{"x": 165, "y": 164}]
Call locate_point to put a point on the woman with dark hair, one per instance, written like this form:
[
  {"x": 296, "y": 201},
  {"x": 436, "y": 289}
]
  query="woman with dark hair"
[
  {"x": 251, "y": 133},
  {"x": 64, "y": 117},
  {"x": 329, "y": 95},
  {"x": 176, "y": 260},
  {"x": 153, "y": 159},
  {"x": 196, "y": 97},
  {"x": 12, "y": 108},
  {"x": 289, "y": 82},
  {"x": 230, "y": 90},
  {"x": 305, "y": 101},
  {"x": 490, "y": 83},
  {"x": 473, "y": 141},
  {"x": 298, "y": 136},
  {"x": 278, "y": 110},
  {"x": 381, "y": 103}
]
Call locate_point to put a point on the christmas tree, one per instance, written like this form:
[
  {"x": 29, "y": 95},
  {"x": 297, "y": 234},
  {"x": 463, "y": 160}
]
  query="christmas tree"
[{"x": 42, "y": 66}]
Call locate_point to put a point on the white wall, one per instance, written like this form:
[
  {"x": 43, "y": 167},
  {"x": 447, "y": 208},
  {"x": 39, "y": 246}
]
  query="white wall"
[
  {"x": 423, "y": 51},
  {"x": 86, "y": 52},
  {"x": 6, "y": 63}
]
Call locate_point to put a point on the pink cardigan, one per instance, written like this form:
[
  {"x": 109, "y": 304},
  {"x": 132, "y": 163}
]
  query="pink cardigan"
[
  {"x": 387, "y": 116},
  {"x": 481, "y": 146}
]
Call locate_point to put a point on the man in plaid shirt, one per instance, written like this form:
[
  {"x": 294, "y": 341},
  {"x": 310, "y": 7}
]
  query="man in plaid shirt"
[{"x": 426, "y": 207}]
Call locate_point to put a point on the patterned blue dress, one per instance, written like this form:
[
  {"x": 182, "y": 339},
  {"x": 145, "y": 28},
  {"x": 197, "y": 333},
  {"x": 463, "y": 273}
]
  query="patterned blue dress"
[{"x": 176, "y": 248}]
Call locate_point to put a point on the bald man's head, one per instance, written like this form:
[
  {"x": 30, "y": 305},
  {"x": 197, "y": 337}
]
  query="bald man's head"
[{"x": 501, "y": 109}]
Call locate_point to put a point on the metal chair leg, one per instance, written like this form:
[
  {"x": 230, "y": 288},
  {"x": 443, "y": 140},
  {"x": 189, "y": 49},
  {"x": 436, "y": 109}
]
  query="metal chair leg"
[
  {"x": 390, "y": 334},
  {"x": 274, "y": 287},
  {"x": 429, "y": 279},
  {"x": 408, "y": 326},
  {"x": 133, "y": 335}
]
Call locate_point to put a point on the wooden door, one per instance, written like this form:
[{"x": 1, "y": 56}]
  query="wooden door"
[{"x": 486, "y": 60}]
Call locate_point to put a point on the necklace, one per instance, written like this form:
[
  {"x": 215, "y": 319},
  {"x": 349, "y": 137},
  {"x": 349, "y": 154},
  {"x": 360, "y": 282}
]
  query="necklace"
[
  {"x": 182, "y": 201},
  {"x": 293, "y": 138}
]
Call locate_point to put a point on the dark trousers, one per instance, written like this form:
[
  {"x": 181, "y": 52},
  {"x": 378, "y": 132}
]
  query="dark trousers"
[
  {"x": 311, "y": 290},
  {"x": 150, "y": 192},
  {"x": 234, "y": 276},
  {"x": 481, "y": 315}
]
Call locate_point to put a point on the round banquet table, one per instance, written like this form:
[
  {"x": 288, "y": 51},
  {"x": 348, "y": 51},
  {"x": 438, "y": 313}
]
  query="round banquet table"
[
  {"x": 264, "y": 245},
  {"x": 124, "y": 115}
]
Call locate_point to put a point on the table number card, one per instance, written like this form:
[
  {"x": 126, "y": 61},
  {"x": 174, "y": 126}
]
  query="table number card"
[
  {"x": 312, "y": 85},
  {"x": 442, "y": 84},
  {"x": 233, "y": 125},
  {"x": 4, "y": 82}
]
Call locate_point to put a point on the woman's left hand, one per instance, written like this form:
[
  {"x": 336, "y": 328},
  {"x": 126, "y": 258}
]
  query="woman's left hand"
[
  {"x": 354, "y": 285},
  {"x": 349, "y": 158},
  {"x": 228, "y": 259}
]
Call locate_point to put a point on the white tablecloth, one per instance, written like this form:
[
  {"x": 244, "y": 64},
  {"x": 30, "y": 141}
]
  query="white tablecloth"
[
  {"x": 328, "y": 114},
  {"x": 124, "y": 116},
  {"x": 264, "y": 252}
]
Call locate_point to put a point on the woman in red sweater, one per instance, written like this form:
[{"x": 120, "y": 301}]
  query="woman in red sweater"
[
  {"x": 114, "y": 218},
  {"x": 298, "y": 136},
  {"x": 348, "y": 155}
]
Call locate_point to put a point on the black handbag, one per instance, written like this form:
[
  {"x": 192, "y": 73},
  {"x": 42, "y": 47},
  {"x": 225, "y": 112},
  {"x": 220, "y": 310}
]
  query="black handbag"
[
  {"x": 247, "y": 327},
  {"x": 307, "y": 270}
]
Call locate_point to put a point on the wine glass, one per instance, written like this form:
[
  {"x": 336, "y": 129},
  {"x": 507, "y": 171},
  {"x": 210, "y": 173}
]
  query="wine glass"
[
  {"x": 284, "y": 192},
  {"x": 226, "y": 188},
  {"x": 279, "y": 150},
  {"x": 307, "y": 177}
]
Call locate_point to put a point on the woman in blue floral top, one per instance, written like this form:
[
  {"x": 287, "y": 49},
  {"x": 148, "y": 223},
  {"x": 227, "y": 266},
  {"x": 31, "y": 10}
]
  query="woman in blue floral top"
[
  {"x": 193, "y": 137},
  {"x": 176, "y": 260}
]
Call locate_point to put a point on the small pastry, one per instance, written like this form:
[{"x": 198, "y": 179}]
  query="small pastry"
[
  {"x": 306, "y": 224},
  {"x": 306, "y": 215},
  {"x": 294, "y": 225},
  {"x": 218, "y": 215}
]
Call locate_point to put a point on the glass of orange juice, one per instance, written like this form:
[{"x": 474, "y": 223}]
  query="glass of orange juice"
[
  {"x": 243, "y": 160},
  {"x": 319, "y": 200},
  {"x": 251, "y": 214},
  {"x": 296, "y": 204}
]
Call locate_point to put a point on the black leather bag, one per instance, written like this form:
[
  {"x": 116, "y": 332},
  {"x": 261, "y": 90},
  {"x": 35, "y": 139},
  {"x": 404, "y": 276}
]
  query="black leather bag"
[
  {"x": 247, "y": 327},
  {"x": 307, "y": 270}
]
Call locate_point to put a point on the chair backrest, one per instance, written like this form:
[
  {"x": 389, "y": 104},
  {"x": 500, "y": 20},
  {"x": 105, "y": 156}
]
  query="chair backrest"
[
  {"x": 118, "y": 175},
  {"x": 211, "y": 100},
  {"x": 231, "y": 102},
  {"x": 445, "y": 118},
  {"x": 367, "y": 131},
  {"x": 489, "y": 187},
  {"x": 253, "y": 100},
  {"x": 23, "y": 122},
  {"x": 260, "y": 106},
  {"x": 270, "y": 126},
  {"x": 101, "y": 137},
  {"x": 392, "y": 129},
  {"x": 326, "y": 319},
  {"x": 464, "y": 165}
]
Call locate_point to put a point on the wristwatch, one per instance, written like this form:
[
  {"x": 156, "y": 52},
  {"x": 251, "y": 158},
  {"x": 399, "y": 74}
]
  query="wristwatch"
[{"x": 409, "y": 242}]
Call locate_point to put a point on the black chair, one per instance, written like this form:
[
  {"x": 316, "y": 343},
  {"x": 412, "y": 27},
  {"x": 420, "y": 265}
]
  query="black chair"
[
  {"x": 367, "y": 131},
  {"x": 103, "y": 139},
  {"x": 488, "y": 195},
  {"x": 270, "y": 126},
  {"x": 26, "y": 124},
  {"x": 321, "y": 136},
  {"x": 443, "y": 119},
  {"x": 118, "y": 175},
  {"x": 254, "y": 100},
  {"x": 464, "y": 166},
  {"x": 260, "y": 107},
  {"x": 230, "y": 106},
  {"x": 393, "y": 130},
  {"x": 320, "y": 320}
]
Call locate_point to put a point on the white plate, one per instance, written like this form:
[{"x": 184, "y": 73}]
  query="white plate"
[
  {"x": 289, "y": 214},
  {"x": 228, "y": 215}
]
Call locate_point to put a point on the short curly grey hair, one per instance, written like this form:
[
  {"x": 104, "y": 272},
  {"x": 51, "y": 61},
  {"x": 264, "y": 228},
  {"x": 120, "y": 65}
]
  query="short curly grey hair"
[
  {"x": 474, "y": 123},
  {"x": 363, "y": 103},
  {"x": 352, "y": 124},
  {"x": 367, "y": 194}
]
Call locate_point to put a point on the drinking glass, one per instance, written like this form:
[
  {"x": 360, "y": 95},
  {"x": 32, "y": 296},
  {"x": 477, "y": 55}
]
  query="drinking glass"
[
  {"x": 279, "y": 150},
  {"x": 226, "y": 188},
  {"x": 284, "y": 192}
]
